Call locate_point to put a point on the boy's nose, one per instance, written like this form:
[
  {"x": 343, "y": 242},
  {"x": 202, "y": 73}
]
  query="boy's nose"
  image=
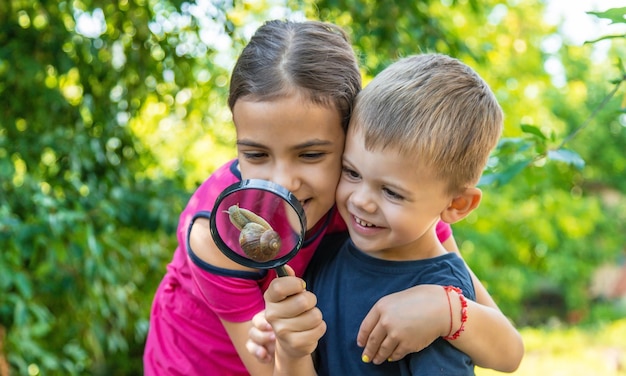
[{"x": 362, "y": 199}]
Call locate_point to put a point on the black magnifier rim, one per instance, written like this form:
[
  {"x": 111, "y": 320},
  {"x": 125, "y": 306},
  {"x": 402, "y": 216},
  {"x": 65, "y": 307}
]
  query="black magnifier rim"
[{"x": 271, "y": 187}]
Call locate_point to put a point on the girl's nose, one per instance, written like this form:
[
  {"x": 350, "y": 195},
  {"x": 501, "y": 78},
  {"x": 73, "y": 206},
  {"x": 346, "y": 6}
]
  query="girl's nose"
[{"x": 287, "y": 176}]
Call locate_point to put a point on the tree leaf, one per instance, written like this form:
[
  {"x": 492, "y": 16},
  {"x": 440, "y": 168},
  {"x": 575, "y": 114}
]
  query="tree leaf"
[
  {"x": 501, "y": 178},
  {"x": 567, "y": 156},
  {"x": 531, "y": 129},
  {"x": 616, "y": 15}
]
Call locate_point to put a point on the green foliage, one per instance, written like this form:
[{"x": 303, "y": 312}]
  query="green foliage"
[
  {"x": 384, "y": 31},
  {"x": 105, "y": 130},
  {"x": 82, "y": 231},
  {"x": 553, "y": 195}
]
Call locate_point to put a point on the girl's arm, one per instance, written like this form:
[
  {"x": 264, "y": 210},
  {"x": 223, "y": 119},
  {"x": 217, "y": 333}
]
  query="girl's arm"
[
  {"x": 297, "y": 322},
  {"x": 202, "y": 243},
  {"x": 238, "y": 333},
  {"x": 394, "y": 327},
  {"x": 490, "y": 322}
]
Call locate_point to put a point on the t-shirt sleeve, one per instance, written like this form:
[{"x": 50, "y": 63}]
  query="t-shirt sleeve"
[
  {"x": 440, "y": 358},
  {"x": 236, "y": 297},
  {"x": 204, "y": 197},
  {"x": 233, "y": 295}
]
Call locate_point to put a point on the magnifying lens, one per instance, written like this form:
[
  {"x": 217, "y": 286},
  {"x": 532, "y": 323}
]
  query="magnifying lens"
[{"x": 258, "y": 224}]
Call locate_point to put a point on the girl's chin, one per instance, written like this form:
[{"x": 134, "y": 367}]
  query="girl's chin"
[{"x": 313, "y": 218}]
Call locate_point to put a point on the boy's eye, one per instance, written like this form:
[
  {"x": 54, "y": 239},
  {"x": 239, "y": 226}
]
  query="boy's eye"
[
  {"x": 393, "y": 195},
  {"x": 349, "y": 173}
]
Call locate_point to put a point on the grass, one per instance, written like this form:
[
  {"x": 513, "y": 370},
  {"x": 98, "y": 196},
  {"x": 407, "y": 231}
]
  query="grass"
[{"x": 572, "y": 351}]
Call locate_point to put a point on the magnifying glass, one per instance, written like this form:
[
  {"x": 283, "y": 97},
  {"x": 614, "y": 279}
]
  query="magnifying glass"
[{"x": 258, "y": 224}]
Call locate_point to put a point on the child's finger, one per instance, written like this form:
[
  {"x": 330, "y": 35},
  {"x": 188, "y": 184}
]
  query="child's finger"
[
  {"x": 261, "y": 337},
  {"x": 304, "y": 342},
  {"x": 259, "y": 352},
  {"x": 367, "y": 326},
  {"x": 259, "y": 322},
  {"x": 372, "y": 342},
  {"x": 291, "y": 307},
  {"x": 289, "y": 270},
  {"x": 386, "y": 348},
  {"x": 283, "y": 287}
]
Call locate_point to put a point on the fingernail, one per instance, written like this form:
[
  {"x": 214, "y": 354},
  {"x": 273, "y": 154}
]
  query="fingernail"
[
  {"x": 365, "y": 359},
  {"x": 304, "y": 285}
]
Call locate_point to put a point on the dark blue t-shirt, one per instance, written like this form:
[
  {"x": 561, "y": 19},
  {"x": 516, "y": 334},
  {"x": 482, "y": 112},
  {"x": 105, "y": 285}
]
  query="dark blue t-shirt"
[{"x": 348, "y": 282}]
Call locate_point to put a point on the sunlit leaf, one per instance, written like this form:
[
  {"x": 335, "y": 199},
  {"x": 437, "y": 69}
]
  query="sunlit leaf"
[
  {"x": 615, "y": 15},
  {"x": 531, "y": 129},
  {"x": 567, "y": 156},
  {"x": 505, "y": 176}
]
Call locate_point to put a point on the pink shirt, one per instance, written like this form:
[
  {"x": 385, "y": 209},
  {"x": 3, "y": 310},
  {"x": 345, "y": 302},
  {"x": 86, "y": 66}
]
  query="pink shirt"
[{"x": 186, "y": 336}]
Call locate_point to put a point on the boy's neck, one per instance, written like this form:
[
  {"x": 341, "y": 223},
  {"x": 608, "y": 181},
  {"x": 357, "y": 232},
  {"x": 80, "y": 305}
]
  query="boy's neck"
[{"x": 426, "y": 247}]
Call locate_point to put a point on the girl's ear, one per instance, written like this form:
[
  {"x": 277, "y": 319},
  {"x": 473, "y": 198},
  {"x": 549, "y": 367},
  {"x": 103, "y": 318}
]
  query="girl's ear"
[{"x": 462, "y": 205}]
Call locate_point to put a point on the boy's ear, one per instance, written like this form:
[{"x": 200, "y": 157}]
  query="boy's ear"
[{"x": 462, "y": 205}]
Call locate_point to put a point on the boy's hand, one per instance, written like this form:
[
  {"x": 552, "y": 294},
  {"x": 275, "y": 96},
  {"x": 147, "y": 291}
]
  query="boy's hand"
[
  {"x": 261, "y": 341},
  {"x": 403, "y": 323},
  {"x": 292, "y": 313}
]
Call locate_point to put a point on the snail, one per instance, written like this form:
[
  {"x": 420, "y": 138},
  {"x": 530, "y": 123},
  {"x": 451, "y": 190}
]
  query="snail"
[{"x": 257, "y": 238}]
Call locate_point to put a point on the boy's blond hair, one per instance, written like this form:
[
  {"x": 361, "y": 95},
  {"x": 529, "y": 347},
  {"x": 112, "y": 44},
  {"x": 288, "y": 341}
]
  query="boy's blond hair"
[{"x": 433, "y": 110}]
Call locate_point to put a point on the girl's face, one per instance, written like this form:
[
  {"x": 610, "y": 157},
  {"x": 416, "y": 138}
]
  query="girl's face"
[
  {"x": 390, "y": 206},
  {"x": 293, "y": 143}
]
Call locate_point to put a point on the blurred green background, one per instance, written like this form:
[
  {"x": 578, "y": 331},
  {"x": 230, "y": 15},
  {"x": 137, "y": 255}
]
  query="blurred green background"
[{"x": 112, "y": 112}]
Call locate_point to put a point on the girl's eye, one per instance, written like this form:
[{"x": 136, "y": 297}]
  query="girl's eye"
[
  {"x": 393, "y": 195},
  {"x": 251, "y": 155},
  {"x": 311, "y": 156}
]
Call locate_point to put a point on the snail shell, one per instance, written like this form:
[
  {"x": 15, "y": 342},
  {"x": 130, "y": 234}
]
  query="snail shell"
[
  {"x": 259, "y": 243},
  {"x": 257, "y": 238}
]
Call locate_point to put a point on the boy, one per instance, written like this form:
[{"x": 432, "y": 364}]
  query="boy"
[{"x": 418, "y": 140}]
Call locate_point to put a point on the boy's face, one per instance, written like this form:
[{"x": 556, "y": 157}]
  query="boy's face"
[
  {"x": 293, "y": 143},
  {"x": 390, "y": 204}
]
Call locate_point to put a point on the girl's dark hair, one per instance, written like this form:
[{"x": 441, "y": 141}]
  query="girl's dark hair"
[{"x": 310, "y": 58}]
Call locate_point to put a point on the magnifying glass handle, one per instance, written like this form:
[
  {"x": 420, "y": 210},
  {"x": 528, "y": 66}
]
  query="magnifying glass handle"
[{"x": 281, "y": 271}]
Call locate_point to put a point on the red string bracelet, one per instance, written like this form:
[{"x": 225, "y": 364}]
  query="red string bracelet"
[
  {"x": 446, "y": 288},
  {"x": 455, "y": 335}
]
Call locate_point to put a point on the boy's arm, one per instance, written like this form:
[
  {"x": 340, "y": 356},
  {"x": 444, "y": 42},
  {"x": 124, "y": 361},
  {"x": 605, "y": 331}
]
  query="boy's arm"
[
  {"x": 501, "y": 346},
  {"x": 488, "y": 338},
  {"x": 297, "y": 325},
  {"x": 394, "y": 328}
]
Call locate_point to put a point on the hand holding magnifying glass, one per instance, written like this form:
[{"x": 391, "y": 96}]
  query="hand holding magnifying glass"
[{"x": 258, "y": 224}]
